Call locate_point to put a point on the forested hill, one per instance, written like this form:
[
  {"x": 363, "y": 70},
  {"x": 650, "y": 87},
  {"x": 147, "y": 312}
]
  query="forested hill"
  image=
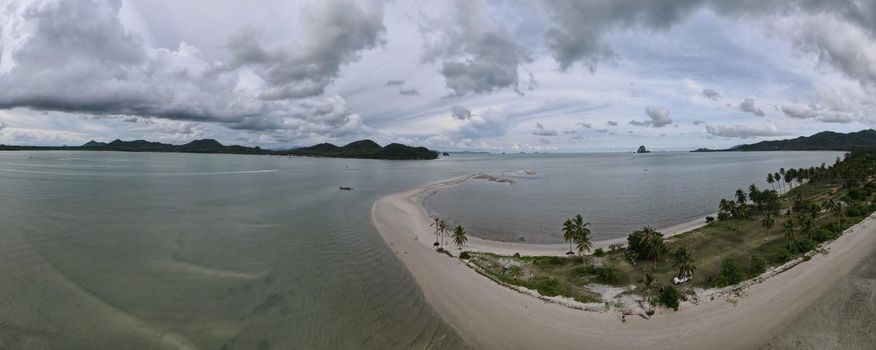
[
  {"x": 823, "y": 141},
  {"x": 359, "y": 149}
]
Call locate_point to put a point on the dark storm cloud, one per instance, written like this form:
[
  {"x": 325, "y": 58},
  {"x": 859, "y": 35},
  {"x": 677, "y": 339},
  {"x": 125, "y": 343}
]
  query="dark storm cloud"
[
  {"x": 711, "y": 94},
  {"x": 408, "y": 92},
  {"x": 748, "y": 106},
  {"x": 658, "y": 117},
  {"x": 96, "y": 66},
  {"x": 476, "y": 56},
  {"x": 799, "y": 112},
  {"x": 577, "y": 34}
]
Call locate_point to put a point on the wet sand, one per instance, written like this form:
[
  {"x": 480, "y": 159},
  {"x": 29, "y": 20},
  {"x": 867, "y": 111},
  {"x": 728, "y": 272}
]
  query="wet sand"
[{"x": 490, "y": 316}]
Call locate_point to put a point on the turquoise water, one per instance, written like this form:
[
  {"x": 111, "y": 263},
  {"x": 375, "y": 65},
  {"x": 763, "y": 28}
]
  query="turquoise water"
[{"x": 102, "y": 250}]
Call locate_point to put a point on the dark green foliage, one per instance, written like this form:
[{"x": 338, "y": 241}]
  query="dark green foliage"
[
  {"x": 358, "y": 149},
  {"x": 782, "y": 254},
  {"x": 710, "y": 219},
  {"x": 646, "y": 244},
  {"x": 366, "y": 149},
  {"x": 670, "y": 297},
  {"x": 465, "y": 255},
  {"x": 824, "y": 234},
  {"x": 825, "y": 141},
  {"x": 546, "y": 286},
  {"x": 857, "y": 210},
  {"x": 599, "y": 252},
  {"x": 756, "y": 266},
  {"x": 603, "y": 274},
  {"x": 730, "y": 274},
  {"x": 803, "y": 246}
]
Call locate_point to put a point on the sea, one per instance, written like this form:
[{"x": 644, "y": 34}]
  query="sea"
[{"x": 110, "y": 250}]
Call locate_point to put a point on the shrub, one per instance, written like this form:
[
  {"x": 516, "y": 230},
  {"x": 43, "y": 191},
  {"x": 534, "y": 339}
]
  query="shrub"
[
  {"x": 465, "y": 255},
  {"x": 710, "y": 219},
  {"x": 782, "y": 254},
  {"x": 608, "y": 275},
  {"x": 803, "y": 246},
  {"x": 730, "y": 274},
  {"x": 824, "y": 234},
  {"x": 516, "y": 255},
  {"x": 669, "y": 296},
  {"x": 615, "y": 248},
  {"x": 856, "y": 210},
  {"x": 599, "y": 252},
  {"x": 514, "y": 272},
  {"x": 550, "y": 260},
  {"x": 546, "y": 286},
  {"x": 756, "y": 267}
]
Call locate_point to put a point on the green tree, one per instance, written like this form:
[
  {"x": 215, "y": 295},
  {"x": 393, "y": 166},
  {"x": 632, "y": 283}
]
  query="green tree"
[
  {"x": 569, "y": 234},
  {"x": 790, "y": 230},
  {"x": 460, "y": 237},
  {"x": 684, "y": 261},
  {"x": 768, "y": 221}
]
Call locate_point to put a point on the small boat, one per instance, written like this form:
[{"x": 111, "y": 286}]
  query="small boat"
[{"x": 345, "y": 188}]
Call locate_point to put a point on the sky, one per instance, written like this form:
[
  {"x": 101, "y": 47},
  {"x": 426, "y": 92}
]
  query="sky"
[{"x": 483, "y": 75}]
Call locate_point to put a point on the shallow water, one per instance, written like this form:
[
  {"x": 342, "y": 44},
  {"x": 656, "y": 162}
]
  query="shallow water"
[
  {"x": 617, "y": 193},
  {"x": 147, "y": 250}
]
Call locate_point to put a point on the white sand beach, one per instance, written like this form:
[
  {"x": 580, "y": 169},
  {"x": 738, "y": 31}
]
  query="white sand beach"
[{"x": 490, "y": 316}]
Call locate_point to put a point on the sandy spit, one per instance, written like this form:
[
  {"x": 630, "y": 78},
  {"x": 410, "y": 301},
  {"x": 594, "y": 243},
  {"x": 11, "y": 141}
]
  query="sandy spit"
[{"x": 489, "y": 316}]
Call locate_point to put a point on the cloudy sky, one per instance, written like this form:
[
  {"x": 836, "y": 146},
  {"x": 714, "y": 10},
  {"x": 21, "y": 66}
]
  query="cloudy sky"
[{"x": 513, "y": 75}]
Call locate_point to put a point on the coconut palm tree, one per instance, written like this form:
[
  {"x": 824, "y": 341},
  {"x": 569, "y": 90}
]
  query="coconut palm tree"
[
  {"x": 459, "y": 236},
  {"x": 777, "y": 177},
  {"x": 790, "y": 228},
  {"x": 582, "y": 239},
  {"x": 684, "y": 261},
  {"x": 435, "y": 223},
  {"x": 768, "y": 222},
  {"x": 771, "y": 181},
  {"x": 569, "y": 234},
  {"x": 442, "y": 227},
  {"x": 836, "y": 207}
]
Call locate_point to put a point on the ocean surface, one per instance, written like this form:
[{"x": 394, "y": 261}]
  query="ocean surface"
[
  {"x": 103, "y": 250},
  {"x": 617, "y": 193}
]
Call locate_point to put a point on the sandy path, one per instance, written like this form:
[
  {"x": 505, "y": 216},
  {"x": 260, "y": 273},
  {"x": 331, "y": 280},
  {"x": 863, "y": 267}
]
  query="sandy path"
[{"x": 489, "y": 316}]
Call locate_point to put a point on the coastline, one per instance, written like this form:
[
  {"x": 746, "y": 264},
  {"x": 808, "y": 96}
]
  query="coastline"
[
  {"x": 488, "y": 315},
  {"x": 483, "y": 245}
]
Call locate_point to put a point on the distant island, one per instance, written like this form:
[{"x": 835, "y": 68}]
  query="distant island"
[
  {"x": 358, "y": 149},
  {"x": 642, "y": 149},
  {"x": 823, "y": 141}
]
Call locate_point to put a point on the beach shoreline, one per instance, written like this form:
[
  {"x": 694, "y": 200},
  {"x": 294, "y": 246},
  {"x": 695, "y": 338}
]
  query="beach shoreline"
[
  {"x": 488, "y": 315},
  {"x": 483, "y": 245}
]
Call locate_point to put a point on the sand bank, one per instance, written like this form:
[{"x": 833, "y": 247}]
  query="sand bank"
[{"x": 489, "y": 316}]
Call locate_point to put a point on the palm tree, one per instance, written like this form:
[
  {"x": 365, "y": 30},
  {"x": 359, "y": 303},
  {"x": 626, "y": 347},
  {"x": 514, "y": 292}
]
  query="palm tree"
[
  {"x": 442, "y": 227},
  {"x": 771, "y": 181},
  {"x": 741, "y": 198},
  {"x": 778, "y": 178},
  {"x": 768, "y": 222},
  {"x": 459, "y": 236},
  {"x": 569, "y": 234},
  {"x": 789, "y": 230},
  {"x": 684, "y": 260},
  {"x": 836, "y": 207},
  {"x": 435, "y": 223},
  {"x": 582, "y": 240}
]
